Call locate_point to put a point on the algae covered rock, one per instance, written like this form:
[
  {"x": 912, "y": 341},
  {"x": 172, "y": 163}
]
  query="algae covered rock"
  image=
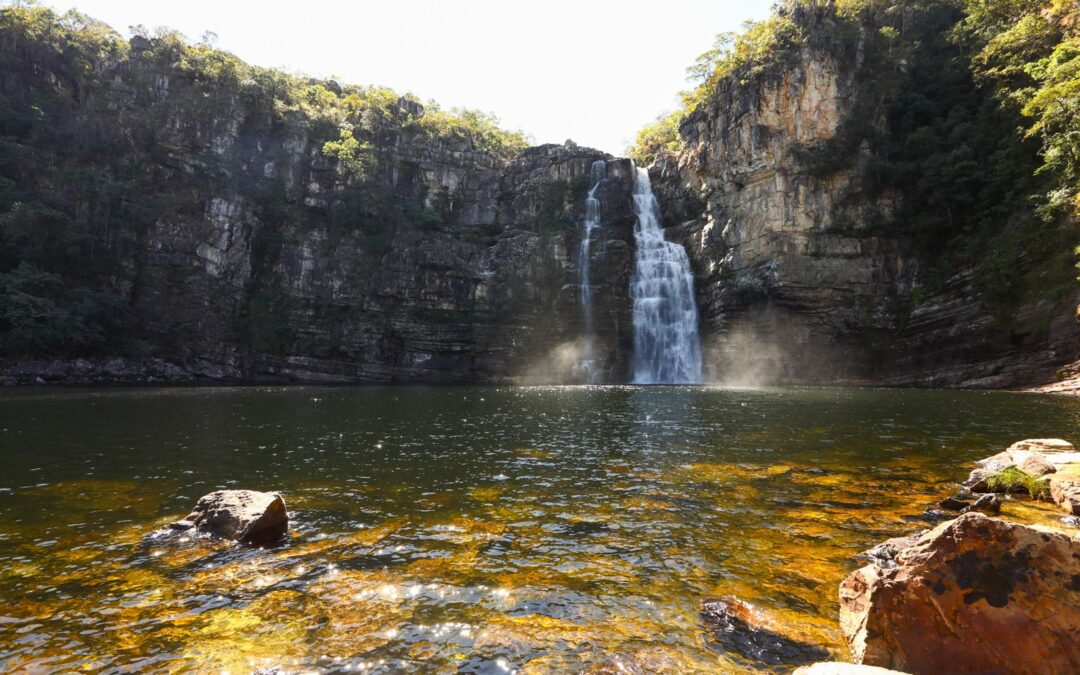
[
  {"x": 974, "y": 595},
  {"x": 247, "y": 516}
]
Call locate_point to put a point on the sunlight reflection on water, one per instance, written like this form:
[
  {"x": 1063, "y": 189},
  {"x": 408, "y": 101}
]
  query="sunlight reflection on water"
[{"x": 462, "y": 530}]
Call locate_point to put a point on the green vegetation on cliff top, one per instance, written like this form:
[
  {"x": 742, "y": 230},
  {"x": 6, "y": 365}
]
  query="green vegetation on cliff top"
[
  {"x": 101, "y": 136},
  {"x": 967, "y": 110}
]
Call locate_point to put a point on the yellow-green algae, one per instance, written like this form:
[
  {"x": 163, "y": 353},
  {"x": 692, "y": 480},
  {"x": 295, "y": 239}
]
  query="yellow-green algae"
[{"x": 214, "y": 606}]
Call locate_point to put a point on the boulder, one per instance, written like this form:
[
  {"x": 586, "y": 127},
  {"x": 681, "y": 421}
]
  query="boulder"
[
  {"x": 836, "y": 668},
  {"x": 1062, "y": 459},
  {"x": 1065, "y": 491},
  {"x": 974, "y": 595},
  {"x": 256, "y": 518},
  {"x": 990, "y": 504},
  {"x": 976, "y": 481},
  {"x": 1043, "y": 445},
  {"x": 953, "y": 504},
  {"x": 1034, "y": 464},
  {"x": 735, "y": 627},
  {"x": 1036, "y": 457}
]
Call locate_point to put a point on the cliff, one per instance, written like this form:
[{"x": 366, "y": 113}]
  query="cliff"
[
  {"x": 857, "y": 208},
  {"x": 808, "y": 267},
  {"x": 196, "y": 198}
]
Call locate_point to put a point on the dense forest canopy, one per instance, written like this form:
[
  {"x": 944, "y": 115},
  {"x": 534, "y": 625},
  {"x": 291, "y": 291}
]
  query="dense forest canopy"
[{"x": 84, "y": 114}]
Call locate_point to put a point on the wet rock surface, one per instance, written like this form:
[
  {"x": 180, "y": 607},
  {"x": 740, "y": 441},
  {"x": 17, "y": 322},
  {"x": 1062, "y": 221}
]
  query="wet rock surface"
[
  {"x": 1065, "y": 491},
  {"x": 735, "y": 627},
  {"x": 975, "y": 595},
  {"x": 989, "y": 504},
  {"x": 246, "y": 516},
  {"x": 1048, "y": 467}
]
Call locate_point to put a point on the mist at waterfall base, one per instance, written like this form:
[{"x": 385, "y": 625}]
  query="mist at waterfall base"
[
  {"x": 768, "y": 347},
  {"x": 562, "y": 364}
]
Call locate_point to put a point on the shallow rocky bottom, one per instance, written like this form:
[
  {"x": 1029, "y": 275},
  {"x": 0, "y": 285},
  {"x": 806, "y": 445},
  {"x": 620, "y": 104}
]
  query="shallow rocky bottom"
[{"x": 469, "y": 529}]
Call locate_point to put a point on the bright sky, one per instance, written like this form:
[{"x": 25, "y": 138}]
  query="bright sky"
[{"x": 594, "y": 71}]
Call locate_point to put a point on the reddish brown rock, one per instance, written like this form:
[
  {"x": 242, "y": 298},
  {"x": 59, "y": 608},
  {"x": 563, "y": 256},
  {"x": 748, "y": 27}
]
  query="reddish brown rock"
[
  {"x": 974, "y": 595},
  {"x": 1065, "y": 491},
  {"x": 247, "y": 516}
]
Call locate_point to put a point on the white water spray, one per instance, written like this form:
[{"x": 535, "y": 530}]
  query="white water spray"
[{"x": 667, "y": 347}]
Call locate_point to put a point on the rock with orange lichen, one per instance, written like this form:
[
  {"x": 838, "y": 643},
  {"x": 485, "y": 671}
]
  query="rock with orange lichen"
[{"x": 975, "y": 595}]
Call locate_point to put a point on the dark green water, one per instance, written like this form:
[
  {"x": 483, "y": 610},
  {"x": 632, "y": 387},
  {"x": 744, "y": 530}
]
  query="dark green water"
[{"x": 463, "y": 529}]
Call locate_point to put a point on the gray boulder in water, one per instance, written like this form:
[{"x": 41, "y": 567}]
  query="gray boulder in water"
[{"x": 247, "y": 516}]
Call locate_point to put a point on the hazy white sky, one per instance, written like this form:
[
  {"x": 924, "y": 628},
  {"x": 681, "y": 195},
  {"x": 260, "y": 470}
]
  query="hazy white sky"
[{"x": 594, "y": 71}]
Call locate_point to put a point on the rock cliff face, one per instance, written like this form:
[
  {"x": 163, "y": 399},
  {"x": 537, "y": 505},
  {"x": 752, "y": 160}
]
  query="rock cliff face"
[
  {"x": 250, "y": 255},
  {"x": 486, "y": 295},
  {"x": 795, "y": 261},
  {"x": 197, "y": 193}
]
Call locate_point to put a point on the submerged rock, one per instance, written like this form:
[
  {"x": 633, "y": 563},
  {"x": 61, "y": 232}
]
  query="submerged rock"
[
  {"x": 989, "y": 504},
  {"x": 975, "y": 595},
  {"x": 953, "y": 503},
  {"x": 934, "y": 516},
  {"x": 247, "y": 516},
  {"x": 734, "y": 627}
]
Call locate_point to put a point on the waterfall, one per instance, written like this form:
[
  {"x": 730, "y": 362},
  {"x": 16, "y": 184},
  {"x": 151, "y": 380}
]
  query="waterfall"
[
  {"x": 667, "y": 347},
  {"x": 587, "y": 366}
]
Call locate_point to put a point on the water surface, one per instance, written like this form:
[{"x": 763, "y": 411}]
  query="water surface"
[{"x": 476, "y": 530}]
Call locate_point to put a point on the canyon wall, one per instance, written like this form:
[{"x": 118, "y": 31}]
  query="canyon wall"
[
  {"x": 206, "y": 206},
  {"x": 799, "y": 279},
  {"x": 168, "y": 213}
]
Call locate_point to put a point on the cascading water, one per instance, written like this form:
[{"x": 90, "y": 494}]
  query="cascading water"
[
  {"x": 587, "y": 365},
  {"x": 667, "y": 347}
]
